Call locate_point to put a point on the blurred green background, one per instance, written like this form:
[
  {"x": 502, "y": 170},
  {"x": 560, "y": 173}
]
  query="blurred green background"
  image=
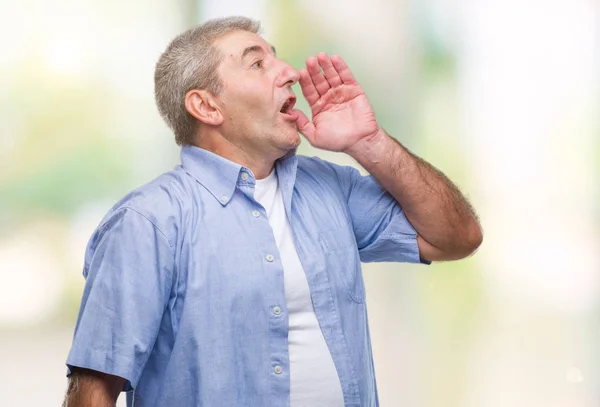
[{"x": 502, "y": 96}]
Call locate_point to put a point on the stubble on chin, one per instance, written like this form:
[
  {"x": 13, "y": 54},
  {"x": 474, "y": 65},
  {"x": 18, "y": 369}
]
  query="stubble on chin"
[{"x": 295, "y": 139}]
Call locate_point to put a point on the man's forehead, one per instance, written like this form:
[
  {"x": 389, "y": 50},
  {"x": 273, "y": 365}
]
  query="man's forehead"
[{"x": 235, "y": 43}]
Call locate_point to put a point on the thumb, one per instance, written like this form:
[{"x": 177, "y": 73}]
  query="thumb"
[{"x": 304, "y": 125}]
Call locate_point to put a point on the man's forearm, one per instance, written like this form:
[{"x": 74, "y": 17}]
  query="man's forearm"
[
  {"x": 441, "y": 215},
  {"x": 88, "y": 388}
]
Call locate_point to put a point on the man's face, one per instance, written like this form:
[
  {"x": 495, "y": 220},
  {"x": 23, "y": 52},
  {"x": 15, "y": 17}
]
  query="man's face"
[{"x": 256, "y": 97}]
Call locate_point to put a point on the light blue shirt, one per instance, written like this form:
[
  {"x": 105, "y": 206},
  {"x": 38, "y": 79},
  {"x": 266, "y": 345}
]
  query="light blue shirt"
[{"x": 183, "y": 277}]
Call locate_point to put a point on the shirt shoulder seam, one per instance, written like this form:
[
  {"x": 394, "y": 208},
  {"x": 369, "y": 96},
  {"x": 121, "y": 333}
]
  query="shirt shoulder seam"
[{"x": 171, "y": 246}]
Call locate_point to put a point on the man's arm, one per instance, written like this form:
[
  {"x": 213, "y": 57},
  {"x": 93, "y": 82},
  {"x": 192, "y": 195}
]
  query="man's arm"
[
  {"x": 446, "y": 224},
  {"x": 344, "y": 120},
  {"x": 89, "y": 388},
  {"x": 129, "y": 273}
]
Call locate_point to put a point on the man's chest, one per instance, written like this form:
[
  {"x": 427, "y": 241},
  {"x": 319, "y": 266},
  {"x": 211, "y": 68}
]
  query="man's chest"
[{"x": 233, "y": 254}]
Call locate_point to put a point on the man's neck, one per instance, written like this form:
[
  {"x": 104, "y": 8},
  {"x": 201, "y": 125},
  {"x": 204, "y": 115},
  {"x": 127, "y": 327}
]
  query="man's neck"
[{"x": 260, "y": 164}]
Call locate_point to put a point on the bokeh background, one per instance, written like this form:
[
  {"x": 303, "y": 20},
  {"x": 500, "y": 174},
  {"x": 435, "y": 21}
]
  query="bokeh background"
[{"x": 501, "y": 95}]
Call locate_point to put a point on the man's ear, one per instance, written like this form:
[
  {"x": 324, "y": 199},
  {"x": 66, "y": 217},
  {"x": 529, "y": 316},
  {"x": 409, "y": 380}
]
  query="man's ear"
[{"x": 203, "y": 105}]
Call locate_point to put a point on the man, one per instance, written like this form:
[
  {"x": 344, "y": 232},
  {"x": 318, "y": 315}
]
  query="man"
[{"x": 235, "y": 279}]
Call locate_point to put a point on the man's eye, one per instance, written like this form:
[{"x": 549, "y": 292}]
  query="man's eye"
[{"x": 258, "y": 64}]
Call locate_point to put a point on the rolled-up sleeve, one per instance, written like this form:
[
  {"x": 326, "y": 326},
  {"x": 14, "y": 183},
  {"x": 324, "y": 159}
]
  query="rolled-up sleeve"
[
  {"x": 128, "y": 269},
  {"x": 382, "y": 231}
]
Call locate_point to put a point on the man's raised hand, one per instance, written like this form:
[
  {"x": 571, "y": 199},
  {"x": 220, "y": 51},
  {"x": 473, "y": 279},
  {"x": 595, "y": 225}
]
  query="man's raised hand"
[{"x": 341, "y": 112}]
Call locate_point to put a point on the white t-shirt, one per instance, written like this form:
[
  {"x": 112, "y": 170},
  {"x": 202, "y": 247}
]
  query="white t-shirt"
[{"x": 314, "y": 381}]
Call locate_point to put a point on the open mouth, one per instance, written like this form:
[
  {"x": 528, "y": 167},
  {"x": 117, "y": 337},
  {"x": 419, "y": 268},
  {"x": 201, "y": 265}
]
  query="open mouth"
[{"x": 288, "y": 106}]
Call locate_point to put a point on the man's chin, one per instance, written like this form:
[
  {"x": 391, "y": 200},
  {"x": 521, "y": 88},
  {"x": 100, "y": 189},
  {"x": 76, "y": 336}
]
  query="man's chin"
[
  {"x": 295, "y": 139},
  {"x": 289, "y": 144}
]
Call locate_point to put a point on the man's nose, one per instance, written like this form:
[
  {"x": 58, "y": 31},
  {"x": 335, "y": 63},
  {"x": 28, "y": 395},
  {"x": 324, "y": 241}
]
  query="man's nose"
[{"x": 288, "y": 76}]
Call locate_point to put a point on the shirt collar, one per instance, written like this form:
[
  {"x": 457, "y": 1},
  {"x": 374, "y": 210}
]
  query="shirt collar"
[
  {"x": 220, "y": 176},
  {"x": 217, "y": 174}
]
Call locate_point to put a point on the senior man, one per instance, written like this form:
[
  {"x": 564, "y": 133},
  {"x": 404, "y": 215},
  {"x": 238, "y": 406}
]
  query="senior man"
[{"x": 235, "y": 279}]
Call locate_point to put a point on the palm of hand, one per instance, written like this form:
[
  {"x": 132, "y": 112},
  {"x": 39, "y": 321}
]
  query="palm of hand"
[
  {"x": 343, "y": 117},
  {"x": 341, "y": 112}
]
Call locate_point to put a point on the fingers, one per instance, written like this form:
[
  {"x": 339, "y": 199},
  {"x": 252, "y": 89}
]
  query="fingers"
[
  {"x": 304, "y": 125},
  {"x": 316, "y": 75},
  {"x": 343, "y": 71},
  {"x": 308, "y": 88},
  {"x": 330, "y": 73},
  {"x": 323, "y": 73}
]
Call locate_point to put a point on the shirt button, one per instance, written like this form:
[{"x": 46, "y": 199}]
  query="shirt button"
[
  {"x": 244, "y": 176},
  {"x": 276, "y": 310},
  {"x": 277, "y": 369},
  {"x": 270, "y": 258},
  {"x": 255, "y": 213},
  {"x": 223, "y": 199}
]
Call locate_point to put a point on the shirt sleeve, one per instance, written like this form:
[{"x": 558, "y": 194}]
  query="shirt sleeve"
[
  {"x": 128, "y": 269},
  {"x": 382, "y": 231}
]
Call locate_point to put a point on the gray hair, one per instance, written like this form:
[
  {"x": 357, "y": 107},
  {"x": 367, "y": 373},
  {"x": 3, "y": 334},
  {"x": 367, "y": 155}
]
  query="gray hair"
[{"x": 190, "y": 62}]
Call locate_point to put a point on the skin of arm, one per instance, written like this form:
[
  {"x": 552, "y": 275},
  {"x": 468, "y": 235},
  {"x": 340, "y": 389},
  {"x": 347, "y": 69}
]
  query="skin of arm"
[
  {"x": 446, "y": 224},
  {"x": 89, "y": 388}
]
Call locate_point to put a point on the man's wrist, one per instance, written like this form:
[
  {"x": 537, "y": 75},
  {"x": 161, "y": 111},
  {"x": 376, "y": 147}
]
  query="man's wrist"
[{"x": 370, "y": 149}]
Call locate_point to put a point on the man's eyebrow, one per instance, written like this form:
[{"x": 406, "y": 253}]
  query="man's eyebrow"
[
  {"x": 255, "y": 48},
  {"x": 250, "y": 49}
]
